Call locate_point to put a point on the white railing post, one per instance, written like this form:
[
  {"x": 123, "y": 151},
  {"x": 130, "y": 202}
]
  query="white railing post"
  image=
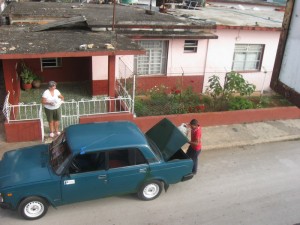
[
  {"x": 42, "y": 122},
  {"x": 6, "y": 108}
]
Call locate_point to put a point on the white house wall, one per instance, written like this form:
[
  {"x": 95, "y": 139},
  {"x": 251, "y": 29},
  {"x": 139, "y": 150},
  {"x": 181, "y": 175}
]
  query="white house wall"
[
  {"x": 191, "y": 63},
  {"x": 221, "y": 51},
  {"x": 100, "y": 68},
  {"x": 125, "y": 65},
  {"x": 213, "y": 57}
]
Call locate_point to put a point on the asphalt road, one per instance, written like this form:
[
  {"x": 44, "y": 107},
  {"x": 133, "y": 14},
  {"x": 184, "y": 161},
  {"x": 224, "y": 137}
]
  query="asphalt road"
[{"x": 255, "y": 185}]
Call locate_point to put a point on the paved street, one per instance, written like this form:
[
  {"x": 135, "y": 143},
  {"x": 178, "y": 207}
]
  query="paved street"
[{"x": 256, "y": 184}]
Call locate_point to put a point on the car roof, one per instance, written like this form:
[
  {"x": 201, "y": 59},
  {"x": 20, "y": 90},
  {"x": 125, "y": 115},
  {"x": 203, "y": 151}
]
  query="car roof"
[{"x": 103, "y": 136}]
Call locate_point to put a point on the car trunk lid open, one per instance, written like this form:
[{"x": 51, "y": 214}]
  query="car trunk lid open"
[{"x": 168, "y": 138}]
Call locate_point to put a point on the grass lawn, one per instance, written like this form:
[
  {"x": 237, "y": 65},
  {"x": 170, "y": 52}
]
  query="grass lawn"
[{"x": 70, "y": 91}]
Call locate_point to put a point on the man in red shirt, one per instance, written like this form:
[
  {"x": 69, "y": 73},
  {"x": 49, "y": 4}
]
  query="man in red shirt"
[{"x": 195, "y": 144}]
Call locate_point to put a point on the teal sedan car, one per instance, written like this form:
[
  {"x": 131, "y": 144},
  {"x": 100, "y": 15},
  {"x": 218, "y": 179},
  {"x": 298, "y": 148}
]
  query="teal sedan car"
[{"x": 95, "y": 160}]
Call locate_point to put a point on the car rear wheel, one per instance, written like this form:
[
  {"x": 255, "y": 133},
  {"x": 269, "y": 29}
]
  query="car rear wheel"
[
  {"x": 33, "y": 208},
  {"x": 150, "y": 190}
]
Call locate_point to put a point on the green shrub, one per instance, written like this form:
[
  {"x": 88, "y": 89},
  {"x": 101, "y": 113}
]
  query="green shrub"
[
  {"x": 264, "y": 102},
  {"x": 140, "y": 108},
  {"x": 234, "y": 83},
  {"x": 238, "y": 103},
  {"x": 158, "y": 93}
]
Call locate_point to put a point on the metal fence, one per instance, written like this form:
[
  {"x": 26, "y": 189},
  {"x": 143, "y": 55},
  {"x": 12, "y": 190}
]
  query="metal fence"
[
  {"x": 69, "y": 113},
  {"x": 23, "y": 112},
  {"x": 70, "y": 110},
  {"x": 125, "y": 84}
]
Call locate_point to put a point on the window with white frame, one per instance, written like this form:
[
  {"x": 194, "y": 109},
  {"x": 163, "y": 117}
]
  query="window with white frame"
[
  {"x": 51, "y": 62},
  {"x": 190, "y": 46},
  {"x": 247, "y": 57},
  {"x": 155, "y": 60}
]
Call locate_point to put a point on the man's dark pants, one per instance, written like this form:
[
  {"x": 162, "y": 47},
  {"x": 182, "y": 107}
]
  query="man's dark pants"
[{"x": 193, "y": 154}]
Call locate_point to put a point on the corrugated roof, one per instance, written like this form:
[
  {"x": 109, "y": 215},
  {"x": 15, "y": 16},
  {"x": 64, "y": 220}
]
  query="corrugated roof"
[
  {"x": 58, "y": 23},
  {"x": 62, "y": 43},
  {"x": 97, "y": 15},
  {"x": 235, "y": 15}
]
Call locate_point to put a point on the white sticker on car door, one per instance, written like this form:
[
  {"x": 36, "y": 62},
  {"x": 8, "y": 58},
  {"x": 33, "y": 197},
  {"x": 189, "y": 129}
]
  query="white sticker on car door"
[{"x": 68, "y": 182}]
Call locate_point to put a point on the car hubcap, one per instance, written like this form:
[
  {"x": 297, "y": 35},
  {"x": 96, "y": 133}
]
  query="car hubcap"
[
  {"x": 34, "y": 209},
  {"x": 151, "y": 190}
]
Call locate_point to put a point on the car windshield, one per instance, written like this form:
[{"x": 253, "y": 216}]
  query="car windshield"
[{"x": 60, "y": 154}]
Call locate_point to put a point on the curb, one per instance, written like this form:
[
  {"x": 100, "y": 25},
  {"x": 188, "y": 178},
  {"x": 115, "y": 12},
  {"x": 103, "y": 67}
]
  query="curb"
[{"x": 252, "y": 142}]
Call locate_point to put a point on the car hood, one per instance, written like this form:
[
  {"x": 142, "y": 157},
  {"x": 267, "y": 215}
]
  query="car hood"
[
  {"x": 168, "y": 138},
  {"x": 24, "y": 165}
]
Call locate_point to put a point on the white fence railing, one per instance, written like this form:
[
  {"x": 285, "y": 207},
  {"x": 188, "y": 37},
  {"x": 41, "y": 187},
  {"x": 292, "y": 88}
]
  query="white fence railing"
[
  {"x": 104, "y": 106},
  {"x": 70, "y": 110},
  {"x": 69, "y": 113},
  {"x": 125, "y": 83},
  {"x": 23, "y": 112}
]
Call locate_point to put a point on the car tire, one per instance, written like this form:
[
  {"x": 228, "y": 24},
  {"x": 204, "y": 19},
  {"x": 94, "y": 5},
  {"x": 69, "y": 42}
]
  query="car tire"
[
  {"x": 150, "y": 190},
  {"x": 33, "y": 208}
]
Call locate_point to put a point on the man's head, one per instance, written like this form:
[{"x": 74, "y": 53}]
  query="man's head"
[{"x": 194, "y": 123}]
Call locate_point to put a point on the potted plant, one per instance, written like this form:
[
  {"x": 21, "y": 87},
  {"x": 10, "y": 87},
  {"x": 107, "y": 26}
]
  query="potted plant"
[
  {"x": 27, "y": 76},
  {"x": 36, "y": 83}
]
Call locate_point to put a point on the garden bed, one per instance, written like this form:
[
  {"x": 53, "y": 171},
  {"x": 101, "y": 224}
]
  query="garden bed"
[{"x": 170, "y": 104}]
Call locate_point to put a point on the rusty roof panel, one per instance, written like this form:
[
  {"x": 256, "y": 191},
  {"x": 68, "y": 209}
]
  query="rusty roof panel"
[
  {"x": 97, "y": 15},
  {"x": 15, "y": 41}
]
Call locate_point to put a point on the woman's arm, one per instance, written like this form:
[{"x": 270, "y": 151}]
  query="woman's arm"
[{"x": 46, "y": 102}]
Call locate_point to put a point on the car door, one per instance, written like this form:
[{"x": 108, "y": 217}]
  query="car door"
[
  {"x": 88, "y": 183},
  {"x": 127, "y": 170}
]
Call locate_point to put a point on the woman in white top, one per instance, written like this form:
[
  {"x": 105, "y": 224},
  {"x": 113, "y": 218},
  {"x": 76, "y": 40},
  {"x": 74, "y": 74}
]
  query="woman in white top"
[{"x": 52, "y": 100}]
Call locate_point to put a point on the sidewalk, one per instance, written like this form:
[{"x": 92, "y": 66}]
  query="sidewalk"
[
  {"x": 219, "y": 137},
  {"x": 250, "y": 134}
]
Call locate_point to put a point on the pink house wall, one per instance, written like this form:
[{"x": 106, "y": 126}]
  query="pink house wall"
[
  {"x": 191, "y": 64},
  {"x": 213, "y": 57},
  {"x": 221, "y": 51}
]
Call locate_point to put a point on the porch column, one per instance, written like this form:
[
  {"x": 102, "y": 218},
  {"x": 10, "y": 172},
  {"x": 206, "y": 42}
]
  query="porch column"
[{"x": 111, "y": 80}]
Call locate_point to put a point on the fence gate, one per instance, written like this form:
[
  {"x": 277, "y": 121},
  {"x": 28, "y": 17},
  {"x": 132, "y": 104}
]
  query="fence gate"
[{"x": 69, "y": 113}]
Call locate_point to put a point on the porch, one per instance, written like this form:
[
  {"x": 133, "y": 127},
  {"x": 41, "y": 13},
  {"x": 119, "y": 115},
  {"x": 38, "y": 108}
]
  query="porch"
[{"x": 79, "y": 106}]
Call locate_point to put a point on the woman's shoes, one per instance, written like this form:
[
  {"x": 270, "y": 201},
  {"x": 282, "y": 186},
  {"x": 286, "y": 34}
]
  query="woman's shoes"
[{"x": 52, "y": 134}]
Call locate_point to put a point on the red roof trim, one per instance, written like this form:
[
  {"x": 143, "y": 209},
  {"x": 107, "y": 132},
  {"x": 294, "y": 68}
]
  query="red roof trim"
[
  {"x": 71, "y": 54},
  {"x": 257, "y": 28}
]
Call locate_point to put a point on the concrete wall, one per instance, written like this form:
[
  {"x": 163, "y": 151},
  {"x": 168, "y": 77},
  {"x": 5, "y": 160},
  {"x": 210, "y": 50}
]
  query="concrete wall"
[
  {"x": 31, "y": 130},
  {"x": 224, "y": 118}
]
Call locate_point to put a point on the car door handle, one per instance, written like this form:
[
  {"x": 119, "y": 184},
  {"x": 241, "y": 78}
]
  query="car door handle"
[
  {"x": 102, "y": 177},
  {"x": 144, "y": 170}
]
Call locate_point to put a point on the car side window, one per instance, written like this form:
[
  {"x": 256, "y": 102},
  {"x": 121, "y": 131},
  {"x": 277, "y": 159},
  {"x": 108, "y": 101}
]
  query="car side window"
[
  {"x": 125, "y": 157},
  {"x": 88, "y": 162}
]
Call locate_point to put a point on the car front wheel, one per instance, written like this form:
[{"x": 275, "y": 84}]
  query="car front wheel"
[
  {"x": 150, "y": 190},
  {"x": 33, "y": 208}
]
